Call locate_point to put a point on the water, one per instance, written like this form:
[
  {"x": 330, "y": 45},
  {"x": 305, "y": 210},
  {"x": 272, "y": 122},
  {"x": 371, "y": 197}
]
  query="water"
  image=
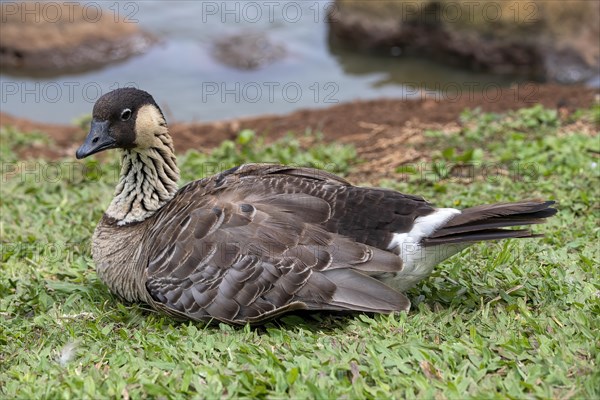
[{"x": 190, "y": 85}]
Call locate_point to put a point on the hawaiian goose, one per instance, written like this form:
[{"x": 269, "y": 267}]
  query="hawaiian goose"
[{"x": 259, "y": 240}]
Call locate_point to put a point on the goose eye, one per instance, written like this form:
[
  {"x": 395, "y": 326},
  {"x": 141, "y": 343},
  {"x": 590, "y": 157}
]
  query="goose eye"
[{"x": 125, "y": 114}]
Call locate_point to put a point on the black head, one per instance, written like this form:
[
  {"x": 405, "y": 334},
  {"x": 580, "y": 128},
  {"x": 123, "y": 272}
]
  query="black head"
[{"x": 121, "y": 119}]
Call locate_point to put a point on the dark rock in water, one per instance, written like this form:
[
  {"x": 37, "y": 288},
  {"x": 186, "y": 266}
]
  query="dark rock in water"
[
  {"x": 247, "y": 50},
  {"x": 52, "y": 38},
  {"x": 550, "y": 41},
  {"x": 566, "y": 66}
]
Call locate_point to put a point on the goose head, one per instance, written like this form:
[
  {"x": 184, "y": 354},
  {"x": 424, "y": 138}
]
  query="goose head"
[
  {"x": 126, "y": 118},
  {"x": 129, "y": 119}
]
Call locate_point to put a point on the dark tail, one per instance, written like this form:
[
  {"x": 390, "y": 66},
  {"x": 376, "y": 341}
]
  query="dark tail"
[{"x": 487, "y": 222}]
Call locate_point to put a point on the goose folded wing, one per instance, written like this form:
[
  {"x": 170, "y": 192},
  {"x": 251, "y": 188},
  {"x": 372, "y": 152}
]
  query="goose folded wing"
[{"x": 243, "y": 255}]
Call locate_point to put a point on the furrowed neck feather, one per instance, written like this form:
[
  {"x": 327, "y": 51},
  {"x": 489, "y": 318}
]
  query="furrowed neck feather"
[{"x": 148, "y": 180}]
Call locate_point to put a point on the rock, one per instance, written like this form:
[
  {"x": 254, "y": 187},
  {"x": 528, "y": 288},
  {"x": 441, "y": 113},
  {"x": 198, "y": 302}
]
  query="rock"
[
  {"x": 545, "y": 40},
  {"x": 247, "y": 50},
  {"x": 58, "y": 37}
]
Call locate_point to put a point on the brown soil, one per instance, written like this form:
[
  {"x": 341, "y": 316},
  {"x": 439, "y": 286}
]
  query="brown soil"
[{"x": 385, "y": 132}]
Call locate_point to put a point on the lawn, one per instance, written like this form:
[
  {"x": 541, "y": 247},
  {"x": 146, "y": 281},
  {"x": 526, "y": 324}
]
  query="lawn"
[{"x": 511, "y": 319}]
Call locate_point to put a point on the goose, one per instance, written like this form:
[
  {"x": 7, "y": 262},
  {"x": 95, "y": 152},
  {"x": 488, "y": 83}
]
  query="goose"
[{"x": 260, "y": 240}]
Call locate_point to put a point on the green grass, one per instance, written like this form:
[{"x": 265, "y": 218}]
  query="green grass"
[{"x": 513, "y": 319}]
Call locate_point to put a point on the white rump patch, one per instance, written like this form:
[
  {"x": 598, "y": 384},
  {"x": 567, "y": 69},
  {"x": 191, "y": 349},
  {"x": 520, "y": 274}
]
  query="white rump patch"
[{"x": 418, "y": 261}]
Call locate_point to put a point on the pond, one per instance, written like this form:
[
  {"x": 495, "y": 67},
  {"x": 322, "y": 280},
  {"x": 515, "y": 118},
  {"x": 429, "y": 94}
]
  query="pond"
[{"x": 191, "y": 85}]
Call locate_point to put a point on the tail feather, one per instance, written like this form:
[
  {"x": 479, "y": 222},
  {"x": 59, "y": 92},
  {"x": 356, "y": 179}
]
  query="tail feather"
[
  {"x": 486, "y": 222},
  {"x": 491, "y": 223}
]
